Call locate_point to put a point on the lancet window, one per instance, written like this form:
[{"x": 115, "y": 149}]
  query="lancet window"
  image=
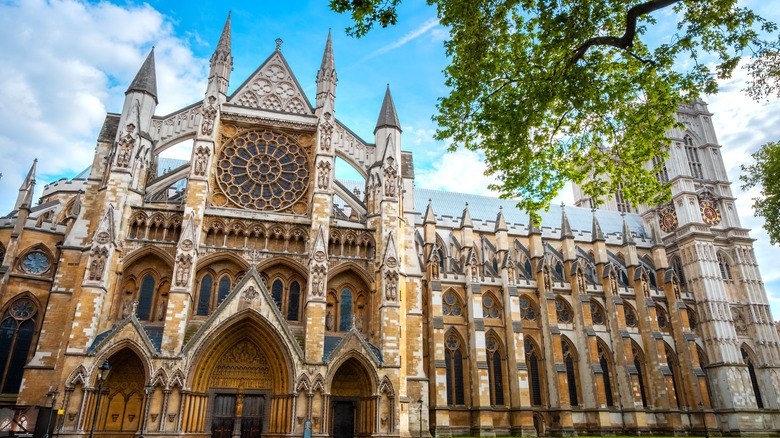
[
  {"x": 639, "y": 364},
  {"x": 692, "y": 152},
  {"x": 570, "y": 363},
  {"x": 17, "y": 329},
  {"x": 453, "y": 358},
  {"x": 532, "y": 358},
  {"x": 605, "y": 361},
  {"x": 725, "y": 269},
  {"x": 495, "y": 371},
  {"x": 753, "y": 378}
]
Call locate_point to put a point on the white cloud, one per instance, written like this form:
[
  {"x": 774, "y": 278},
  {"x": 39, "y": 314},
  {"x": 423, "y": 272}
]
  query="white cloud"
[
  {"x": 65, "y": 63},
  {"x": 461, "y": 171}
]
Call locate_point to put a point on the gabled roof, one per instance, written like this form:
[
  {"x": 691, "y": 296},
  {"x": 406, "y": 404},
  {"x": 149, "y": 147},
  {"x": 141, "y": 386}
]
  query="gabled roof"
[{"x": 273, "y": 86}]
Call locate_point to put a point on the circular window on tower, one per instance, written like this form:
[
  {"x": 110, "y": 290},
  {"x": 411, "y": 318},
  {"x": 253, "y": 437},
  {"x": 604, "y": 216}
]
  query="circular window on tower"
[
  {"x": 263, "y": 170},
  {"x": 35, "y": 262}
]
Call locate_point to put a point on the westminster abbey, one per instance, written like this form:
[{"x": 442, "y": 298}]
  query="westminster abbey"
[{"x": 247, "y": 292}]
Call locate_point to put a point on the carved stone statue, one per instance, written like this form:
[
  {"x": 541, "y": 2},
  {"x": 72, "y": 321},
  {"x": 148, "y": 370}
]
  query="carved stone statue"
[
  {"x": 183, "y": 264},
  {"x": 547, "y": 279},
  {"x": 391, "y": 286},
  {"x": 161, "y": 308},
  {"x": 329, "y": 320},
  {"x": 581, "y": 282},
  {"x": 613, "y": 284},
  {"x": 646, "y": 288},
  {"x": 201, "y": 160},
  {"x": 129, "y": 307},
  {"x": 209, "y": 114}
]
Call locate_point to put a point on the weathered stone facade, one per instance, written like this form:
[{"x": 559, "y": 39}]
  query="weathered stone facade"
[{"x": 255, "y": 294}]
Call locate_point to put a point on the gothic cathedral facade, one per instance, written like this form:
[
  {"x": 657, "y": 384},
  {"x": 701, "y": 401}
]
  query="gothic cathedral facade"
[{"x": 248, "y": 292}]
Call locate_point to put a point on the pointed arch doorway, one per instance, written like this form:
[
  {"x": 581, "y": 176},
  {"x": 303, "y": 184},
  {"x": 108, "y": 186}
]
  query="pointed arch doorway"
[
  {"x": 242, "y": 377},
  {"x": 352, "y": 406}
]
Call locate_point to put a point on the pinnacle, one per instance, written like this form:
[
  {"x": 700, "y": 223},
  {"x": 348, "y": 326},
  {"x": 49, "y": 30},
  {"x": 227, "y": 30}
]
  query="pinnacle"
[
  {"x": 328, "y": 64},
  {"x": 224, "y": 39},
  {"x": 387, "y": 115},
  {"x": 27, "y": 187},
  {"x": 145, "y": 80}
]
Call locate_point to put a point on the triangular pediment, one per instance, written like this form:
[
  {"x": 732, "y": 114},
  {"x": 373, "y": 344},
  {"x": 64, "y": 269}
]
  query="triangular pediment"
[
  {"x": 250, "y": 295},
  {"x": 129, "y": 328},
  {"x": 273, "y": 87}
]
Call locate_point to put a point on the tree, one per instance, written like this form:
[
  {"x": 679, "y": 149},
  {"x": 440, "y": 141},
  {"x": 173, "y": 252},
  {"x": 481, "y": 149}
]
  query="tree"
[
  {"x": 570, "y": 90},
  {"x": 765, "y": 173}
]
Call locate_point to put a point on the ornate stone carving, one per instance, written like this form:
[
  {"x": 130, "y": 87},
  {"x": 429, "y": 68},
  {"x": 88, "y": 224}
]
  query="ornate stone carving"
[
  {"x": 318, "y": 281},
  {"x": 183, "y": 265},
  {"x": 201, "y": 160},
  {"x": 581, "y": 281},
  {"x": 391, "y": 175},
  {"x": 186, "y": 245},
  {"x": 326, "y": 131},
  {"x": 329, "y": 320},
  {"x": 209, "y": 114},
  {"x": 129, "y": 307},
  {"x": 323, "y": 174},
  {"x": 391, "y": 285},
  {"x": 125, "y": 147},
  {"x": 250, "y": 294},
  {"x": 244, "y": 365},
  {"x": 98, "y": 263}
]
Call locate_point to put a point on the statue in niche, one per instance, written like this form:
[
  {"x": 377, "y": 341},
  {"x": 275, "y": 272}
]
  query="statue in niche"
[
  {"x": 183, "y": 264},
  {"x": 359, "y": 320},
  {"x": 98, "y": 264},
  {"x": 201, "y": 160},
  {"x": 329, "y": 321},
  {"x": 125, "y": 149},
  {"x": 391, "y": 286},
  {"x": 547, "y": 279},
  {"x": 209, "y": 114},
  {"x": 161, "y": 308},
  {"x": 580, "y": 281},
  {"x": 613, "y": 284},
  {"x": 645, "y": 287},
  {"x": 325, "y": 136},
  {"x": 676, "y": 289},
  {"x": 324, "y": 174}
]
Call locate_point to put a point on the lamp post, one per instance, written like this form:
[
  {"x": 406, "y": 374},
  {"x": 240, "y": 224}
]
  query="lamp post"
[
  {"x": 420, "y": 402},
  {"x": 53, "y": 400},
  {"x": 147, "y": 390},
  {"x": 102, "y": 376}
]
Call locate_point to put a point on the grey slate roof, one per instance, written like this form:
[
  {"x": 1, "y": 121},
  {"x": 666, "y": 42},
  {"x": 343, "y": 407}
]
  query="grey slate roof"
[
  {"x": 387, "y": 115},
  {"x": 146, "y": 80}
]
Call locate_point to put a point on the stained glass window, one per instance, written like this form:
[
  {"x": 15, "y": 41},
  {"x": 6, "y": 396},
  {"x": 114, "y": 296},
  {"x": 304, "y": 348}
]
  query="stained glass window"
[
  {"x": 145, "y": 298},
  {"x": 345, "y": 311},
  {"x": 16, "y": 335}
]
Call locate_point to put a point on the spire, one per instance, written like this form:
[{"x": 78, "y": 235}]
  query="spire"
[
  {"x": 327, "y": 58},
  {"x": 655, "y": 235},
  {"x": 224, "y": 40},
  {"x": 26, "y": 189},
  {"x": 532, "y": 228},
  {"x": 500, "y": 221},
  {"x": 430, "y": 218},
  {"x": 145, "y": 81},
  {"x": 465, "y": 220},
  {"x": 628, "y": 238},
  {"x": 596, "y": 234},
  {"x": 387, "y": 115},
  {"x": 565, "y": 226}
]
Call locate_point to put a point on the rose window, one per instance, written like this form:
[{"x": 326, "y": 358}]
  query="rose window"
[{"x": 263, "y": 170}]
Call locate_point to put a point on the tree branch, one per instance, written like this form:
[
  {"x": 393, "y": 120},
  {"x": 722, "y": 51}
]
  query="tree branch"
[{"x": 627, "y": 40}]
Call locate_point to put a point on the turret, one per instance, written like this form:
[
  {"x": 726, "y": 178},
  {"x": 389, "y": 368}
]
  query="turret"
[
  {"x": 132, "y": 137},
  {"x": 387, "y": 124},
  {"x": 599, "y": 241},
  {"x": 221, "y": 64},
  {"x": 502, "y": 239},
  {"x": 466, "y": 229},
  {"x": 567, "y": 236},
  {"x": 629, "y": 245},
  {"x": 326, "y": 81}
]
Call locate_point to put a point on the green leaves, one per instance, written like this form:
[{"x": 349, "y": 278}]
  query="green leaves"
[
  {"x": 567, "y": 90},
  {"x": 765, "y": 173}
]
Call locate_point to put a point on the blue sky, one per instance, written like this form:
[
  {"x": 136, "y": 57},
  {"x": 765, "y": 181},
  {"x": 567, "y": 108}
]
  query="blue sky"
[{"x": 67, "y": 62}]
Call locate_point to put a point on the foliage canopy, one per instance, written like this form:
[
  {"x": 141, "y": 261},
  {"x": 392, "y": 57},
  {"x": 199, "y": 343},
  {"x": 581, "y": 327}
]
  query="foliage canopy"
[
  {"x": 765, "y": 173},
  {"x": 570, "y": 90}
]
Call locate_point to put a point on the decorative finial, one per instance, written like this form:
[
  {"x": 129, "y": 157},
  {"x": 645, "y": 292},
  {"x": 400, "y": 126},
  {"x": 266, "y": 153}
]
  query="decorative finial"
[
  {"x": 467, "y": 204},
  {"x": 501, "y": 207},
  {"x": 279, "y": 44}
]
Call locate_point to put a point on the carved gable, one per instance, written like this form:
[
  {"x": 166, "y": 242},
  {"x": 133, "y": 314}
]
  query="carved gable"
[{"x": 273, "y": 87}]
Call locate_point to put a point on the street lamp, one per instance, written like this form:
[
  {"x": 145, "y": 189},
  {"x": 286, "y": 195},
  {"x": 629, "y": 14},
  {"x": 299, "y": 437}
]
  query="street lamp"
[
  {"x": 53, "y": 400},
  {"x": 148, "y": 390},
  {"x": 420, "y": 402},
  {"x": 102, "y": 376}
]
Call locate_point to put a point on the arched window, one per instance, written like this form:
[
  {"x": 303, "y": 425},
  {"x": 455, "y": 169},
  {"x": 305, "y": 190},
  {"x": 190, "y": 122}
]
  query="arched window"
[
  {"x": 674, "y": 366},
  {"x": 145, "y": 298},
  {"x": 659, "y": 165},
  {"x": 453, "y": 358},
  {"x": 16, "y": 334},
  {"x": 596, "y": 313},
  {"x": 294, "y": 300},
  {"x": 725, "y": 269},
  {"x": 441, "y": 259},
  {"x": 527, "y": 310},
  {"x": 204, "y": 295},
  {"x": 623, "y": 205},
  {"x": 663, "y": 319},
  {"x": 451, "y": 305},
  {"x": 527, "y": 267},
  {"x": 678, "y": 269},
  {"x": 224, "y": 289},
  {"x": 559, "y": 270},
  {"x": 693, "y": 322},
  {"x": 571, "y": 371},
  {"x": 606, "y": 373},
  {"x": 490, "y": 308},
  {"x": 345, "y": 310},
  {"x": 276, "y": 293},
  {"x": 639, "y": 365},
  {"x": 692, "y": 152},
  {"x": 532, "y": 359},
  {"x": 753, "y": 378},
  {"x": 495, "y": 372},
  {"x": 563, "y": 311},
  {"x": 630, "y": 315}
]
